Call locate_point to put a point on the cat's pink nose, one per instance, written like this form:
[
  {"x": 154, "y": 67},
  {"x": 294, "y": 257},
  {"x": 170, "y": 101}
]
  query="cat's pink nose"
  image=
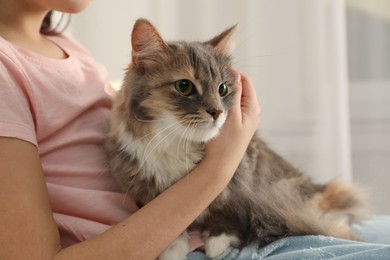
[{"x": 214, "y": 113}]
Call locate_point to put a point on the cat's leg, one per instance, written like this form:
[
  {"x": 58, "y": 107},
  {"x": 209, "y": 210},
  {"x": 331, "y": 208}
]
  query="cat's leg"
[
  {"x": 178, "y": 250},
  {"x": 216, "y": 245}
]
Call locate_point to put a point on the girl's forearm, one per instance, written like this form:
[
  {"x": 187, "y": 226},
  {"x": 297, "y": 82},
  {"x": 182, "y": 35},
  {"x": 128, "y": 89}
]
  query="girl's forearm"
[{"x": 146, "y": 233}]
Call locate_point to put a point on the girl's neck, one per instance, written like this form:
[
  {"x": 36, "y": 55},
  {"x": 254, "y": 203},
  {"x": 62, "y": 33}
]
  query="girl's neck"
[
  {"x": 22, "y": 28},
  {"x": 18, "y": 21}
]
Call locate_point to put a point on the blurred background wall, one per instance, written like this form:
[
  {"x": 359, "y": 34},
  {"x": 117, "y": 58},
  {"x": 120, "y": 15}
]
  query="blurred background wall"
[{"x": 320, "y": 67}]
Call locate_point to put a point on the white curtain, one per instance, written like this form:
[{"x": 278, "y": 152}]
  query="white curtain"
[
  {"x": 294, "y": 50},
  {"x": 368, "y": 24}
]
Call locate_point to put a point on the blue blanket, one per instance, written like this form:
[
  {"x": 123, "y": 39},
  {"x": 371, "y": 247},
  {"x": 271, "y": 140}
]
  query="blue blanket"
[{"x": 375, "y": 232}]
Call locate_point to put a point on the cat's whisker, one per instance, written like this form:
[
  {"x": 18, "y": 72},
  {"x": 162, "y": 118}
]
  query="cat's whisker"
[
  {"x": 159, "y": 133},
  {"x": 184, "y": 136},
  {"x": 145, "y": 157},
  {"x": 152, "y": 120},
  {"x": 151, "y": 133},
  {"x": 143, "y": 137},
  {"x": 181, "y": 137},
  {"x": 191, "y": 133},
  {"x": 196, "y": 119},
  {"x": 154, "y": 147},
  {"x": 123, "y": 149}
]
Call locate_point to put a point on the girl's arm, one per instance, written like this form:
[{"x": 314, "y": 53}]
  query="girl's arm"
[{"x": 29, "y": 232}]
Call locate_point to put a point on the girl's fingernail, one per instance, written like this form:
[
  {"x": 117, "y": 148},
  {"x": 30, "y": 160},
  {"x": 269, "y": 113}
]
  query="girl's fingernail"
[{"x": 236, "y": 75}]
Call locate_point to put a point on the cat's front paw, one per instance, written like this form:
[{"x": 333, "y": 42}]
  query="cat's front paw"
[
  {"x": 178, "y": 250},
  {"x": 216, "y": 245}
]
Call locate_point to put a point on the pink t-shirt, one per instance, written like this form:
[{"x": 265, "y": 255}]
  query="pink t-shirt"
[{"x": 61, "y": 107}]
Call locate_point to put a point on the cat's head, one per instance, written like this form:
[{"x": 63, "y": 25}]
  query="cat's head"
[{"x": 182, "y": 88}]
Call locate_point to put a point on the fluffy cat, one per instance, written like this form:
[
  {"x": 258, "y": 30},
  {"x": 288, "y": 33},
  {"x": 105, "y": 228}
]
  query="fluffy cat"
[{"x": 175, "y": 98}]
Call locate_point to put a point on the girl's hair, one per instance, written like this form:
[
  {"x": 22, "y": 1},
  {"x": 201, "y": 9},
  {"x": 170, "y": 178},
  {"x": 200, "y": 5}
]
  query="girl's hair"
[{"x": 48, "y": 29}]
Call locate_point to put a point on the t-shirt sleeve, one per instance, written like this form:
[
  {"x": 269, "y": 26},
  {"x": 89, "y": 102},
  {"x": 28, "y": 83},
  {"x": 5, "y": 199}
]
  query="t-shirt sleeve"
[{"x": 16, "y": 112}]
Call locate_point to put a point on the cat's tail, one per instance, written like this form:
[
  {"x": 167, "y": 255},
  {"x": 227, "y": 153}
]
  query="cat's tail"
[
  {"x": 332, "y": 211},
  {"x": 343, "y": 198},
  {"x": 328, "y": 213}
]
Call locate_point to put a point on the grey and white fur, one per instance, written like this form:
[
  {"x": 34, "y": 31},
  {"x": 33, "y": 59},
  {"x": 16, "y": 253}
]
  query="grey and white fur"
[{"x": 175, "y": 97}]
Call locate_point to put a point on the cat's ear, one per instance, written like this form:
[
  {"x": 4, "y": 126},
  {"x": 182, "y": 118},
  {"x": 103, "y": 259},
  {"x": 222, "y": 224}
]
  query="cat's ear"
[
  {"x": 146, "y": 41},
  {"x": 223, "y": 42}
]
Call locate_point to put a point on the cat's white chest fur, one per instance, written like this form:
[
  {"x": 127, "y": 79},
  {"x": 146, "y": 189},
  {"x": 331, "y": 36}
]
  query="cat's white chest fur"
[{"x": 164, "y": 157}]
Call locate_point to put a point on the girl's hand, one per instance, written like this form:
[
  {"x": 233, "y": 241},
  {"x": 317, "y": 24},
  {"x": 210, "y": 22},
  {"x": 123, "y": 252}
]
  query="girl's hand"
[{"x": 241, "y": 123}]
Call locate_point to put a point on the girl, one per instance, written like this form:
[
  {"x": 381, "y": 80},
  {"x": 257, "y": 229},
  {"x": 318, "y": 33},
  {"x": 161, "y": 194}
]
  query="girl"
[{"x": 57, "y": 199}]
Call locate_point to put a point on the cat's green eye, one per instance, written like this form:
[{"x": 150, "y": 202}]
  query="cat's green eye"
[
  {"x": 185, "y": 87},
  {"x": 222, "y": 90}
]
